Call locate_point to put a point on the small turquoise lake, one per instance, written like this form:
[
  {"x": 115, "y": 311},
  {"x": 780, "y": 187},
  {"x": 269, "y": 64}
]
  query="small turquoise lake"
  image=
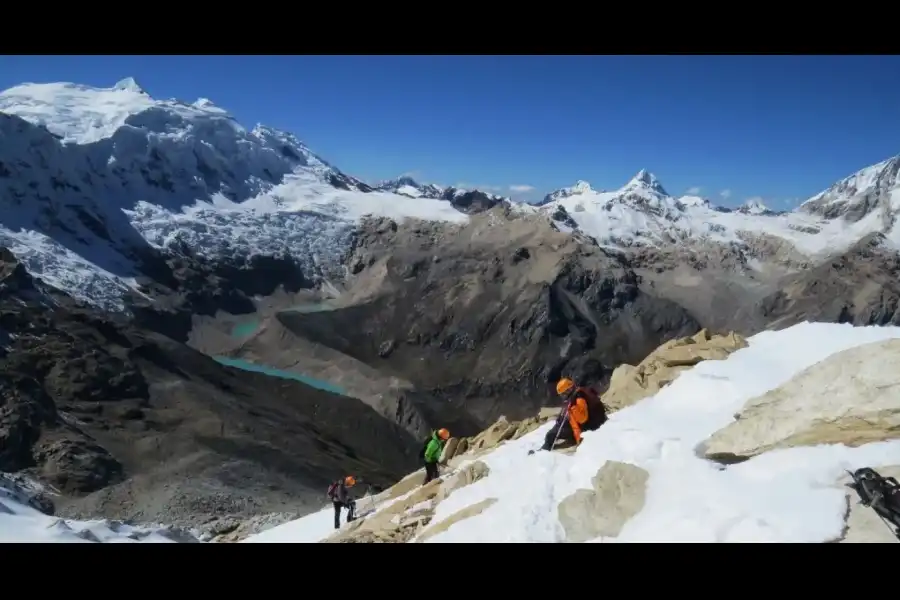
[
  {"x": 239, "y": 363},
  {"x": 248, "y": 328},
  {"x": 244, "y": 329}
]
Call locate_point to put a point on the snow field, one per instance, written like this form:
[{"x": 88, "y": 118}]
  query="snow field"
[{"x": 785, "y": 495}]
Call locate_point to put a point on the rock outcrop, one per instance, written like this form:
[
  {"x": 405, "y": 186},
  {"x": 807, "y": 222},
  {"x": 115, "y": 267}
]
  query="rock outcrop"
[
  {"x": 457, "y": 450},
  {"x": 618, "y": 494},
  {"x": 849, "y": 398},
  {"x": 629, "y": 384},
  {"x": 859, "y": 286}
]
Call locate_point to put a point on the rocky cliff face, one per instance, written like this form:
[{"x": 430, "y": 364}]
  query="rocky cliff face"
[
  {"x": 129, "y": 424},
  {"x": 487, "y": 316},
  {"x": 859, "y": 286}
]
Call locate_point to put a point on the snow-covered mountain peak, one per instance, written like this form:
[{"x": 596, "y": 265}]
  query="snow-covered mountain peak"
[
  {"x": 129, "y": 85},
  {"x": 83, "y": 114},
  {"x": 874, "y": 190},
  {"x": 408, "y": 186},
  {"x": 581, "y": 187},
  {"x": 646, "y": 179},
  {"x": 754, "y": 206},
  {"x": 691, "y": 200}
]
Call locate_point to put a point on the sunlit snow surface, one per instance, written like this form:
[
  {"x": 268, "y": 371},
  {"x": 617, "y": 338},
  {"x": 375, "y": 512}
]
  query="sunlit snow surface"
[
  {"x": 19, "y": 522},
  {"x": 163, "y": 163},
  {"x": 780, "y": 496}
]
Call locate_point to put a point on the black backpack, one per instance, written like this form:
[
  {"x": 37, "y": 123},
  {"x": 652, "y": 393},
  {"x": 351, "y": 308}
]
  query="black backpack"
[{"x": 596, "y": 410}]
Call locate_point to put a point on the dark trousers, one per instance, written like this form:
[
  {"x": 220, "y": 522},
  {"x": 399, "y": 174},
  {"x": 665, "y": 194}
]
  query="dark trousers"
[
  {"x": 351, "y": 512},
  {"x": 565, "y": 433},
  {"x": 431, "y": 472}
]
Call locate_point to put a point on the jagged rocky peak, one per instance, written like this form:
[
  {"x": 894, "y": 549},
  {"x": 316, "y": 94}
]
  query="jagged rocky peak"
[
  {"x": 857, "y": 196},
  {"x": 581, "y": 187},
  {"x": 646, "y": 179},
  {"x": 754, "y": 206},
  {"x": 406, "y": 185},
  {"x": 129, "y": 85}
]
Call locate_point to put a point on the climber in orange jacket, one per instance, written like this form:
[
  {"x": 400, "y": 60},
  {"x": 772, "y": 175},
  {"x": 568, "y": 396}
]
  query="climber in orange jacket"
[{"x": 571, "y": 421}]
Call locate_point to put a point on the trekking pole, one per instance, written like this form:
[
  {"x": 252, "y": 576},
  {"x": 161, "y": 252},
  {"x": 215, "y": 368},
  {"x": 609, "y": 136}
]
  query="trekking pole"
[{"x": 560, "y": 422}]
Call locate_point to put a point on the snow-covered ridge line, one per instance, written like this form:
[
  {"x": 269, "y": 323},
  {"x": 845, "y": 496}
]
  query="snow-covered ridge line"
[
  {"x": 90, "y": 176},
  {"x": 642, "y": 213}
]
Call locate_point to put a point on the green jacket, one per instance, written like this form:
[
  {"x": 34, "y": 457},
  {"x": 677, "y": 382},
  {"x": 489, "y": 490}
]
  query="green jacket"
[{"x": 434, "y": 448}]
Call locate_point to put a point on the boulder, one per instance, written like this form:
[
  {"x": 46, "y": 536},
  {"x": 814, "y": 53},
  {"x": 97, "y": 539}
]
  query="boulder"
[
  {"x": 618, "y": 494},
  {"x": 491, "y": 437},
  {"x": 849, "y": 398},
  {"x": 449, "y": 450},
  {"x": 405, "y": 485},
  {"x": 498, "y": 433},
  {"x": 630, "y": 384},
  {"x": 466, "y": 476}
]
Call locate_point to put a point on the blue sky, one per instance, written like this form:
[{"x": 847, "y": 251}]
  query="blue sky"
[{"x": 780, "y": 128}]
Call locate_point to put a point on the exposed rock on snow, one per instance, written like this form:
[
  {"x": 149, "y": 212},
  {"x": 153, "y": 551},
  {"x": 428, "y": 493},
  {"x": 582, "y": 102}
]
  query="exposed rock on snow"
[
  {"x": 617, "y": 495},
  {"x": 631, "y": 384},
  {"x": 473, "y": 510},
  {"x": 850, "y": 398},
  {"x": 462, "y": 477}
]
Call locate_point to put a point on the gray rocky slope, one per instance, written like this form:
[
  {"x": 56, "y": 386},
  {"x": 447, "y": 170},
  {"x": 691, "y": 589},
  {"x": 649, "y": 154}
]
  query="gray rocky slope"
[{"x": 431, "y": 321}]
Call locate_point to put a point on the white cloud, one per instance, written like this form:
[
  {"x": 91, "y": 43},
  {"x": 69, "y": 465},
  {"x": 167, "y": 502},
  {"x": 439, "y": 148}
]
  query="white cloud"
[
  {"x": 694, "y": 191},
  {"x": 521, "y": 188},
  {"x": 755, "y": 200},
  {"x": 726, "y": 194}
]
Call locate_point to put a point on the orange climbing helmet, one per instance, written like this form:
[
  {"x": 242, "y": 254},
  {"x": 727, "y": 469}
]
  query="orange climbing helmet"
[
  {"x": 564, "y": 385},
  {"x": 443, "y": 434},
  {"x": 349, "y": 481}
]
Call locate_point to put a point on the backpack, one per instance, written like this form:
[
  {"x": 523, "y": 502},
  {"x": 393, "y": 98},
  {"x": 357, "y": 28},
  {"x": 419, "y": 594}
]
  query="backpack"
[
  {"x": 424, "y": 448},
  {"x": 596, "y": 410},
  {"x": 332, "y": 490}
]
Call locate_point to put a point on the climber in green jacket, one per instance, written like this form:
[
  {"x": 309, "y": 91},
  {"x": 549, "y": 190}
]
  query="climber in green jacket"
[{"x": 431, "y": 453}]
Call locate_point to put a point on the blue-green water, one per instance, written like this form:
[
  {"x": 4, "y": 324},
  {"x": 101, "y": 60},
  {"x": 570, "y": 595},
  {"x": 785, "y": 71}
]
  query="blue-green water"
[
  {"x": 245, "y": 329},
  {"x": 249, "y": 366}
]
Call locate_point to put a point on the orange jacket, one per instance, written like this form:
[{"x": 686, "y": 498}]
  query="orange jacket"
[{"x": 578, "y": 416}]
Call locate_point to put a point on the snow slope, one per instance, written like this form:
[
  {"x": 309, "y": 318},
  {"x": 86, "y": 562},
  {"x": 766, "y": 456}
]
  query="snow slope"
[
  {"x": 642, "y": 213},
  {"x": 20, "y": 522},
  {"x": 88, "y": 174},
  {"x": 780, "y": 496}
]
